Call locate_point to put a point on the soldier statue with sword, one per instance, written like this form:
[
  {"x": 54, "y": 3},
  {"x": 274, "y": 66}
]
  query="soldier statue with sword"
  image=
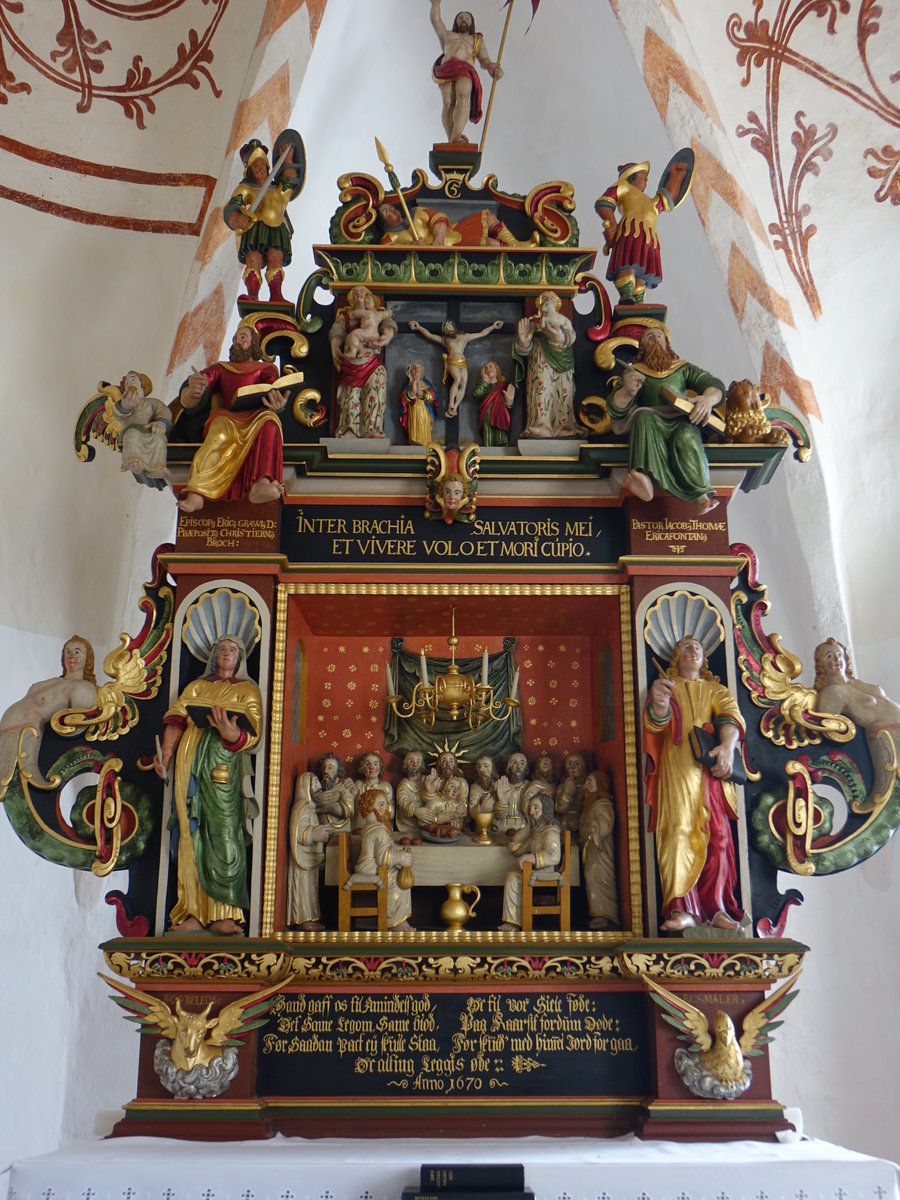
[{"x": 257, "y": 210}]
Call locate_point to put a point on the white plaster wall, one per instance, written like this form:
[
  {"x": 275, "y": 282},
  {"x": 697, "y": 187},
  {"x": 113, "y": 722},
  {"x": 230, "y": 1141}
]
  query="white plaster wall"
[
  {"x": 82, "y": 303},
  {"x": 849, "y": 352}
]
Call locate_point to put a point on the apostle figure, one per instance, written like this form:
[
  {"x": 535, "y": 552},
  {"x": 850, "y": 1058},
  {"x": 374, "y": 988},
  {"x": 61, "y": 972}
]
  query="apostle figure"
[
  {"x": 335, "y": 800},
  {"x": 483, "y": 790},
  {"x": 665, "y": 447},
  {"x": 307, "y": 838},
  {"x": 369, "y": 772},
  {"x": 693, "y": 804},
  {"x": 598, "y": 862},
  {"x": 540, "y": 844},
  {"x": 409, "y": 791},
  {"x": 570, "y": 792},
  {"x": 242, "y": 451},
  {"x": 377, "y": 849},
  {"x": 508, "y": 810}
]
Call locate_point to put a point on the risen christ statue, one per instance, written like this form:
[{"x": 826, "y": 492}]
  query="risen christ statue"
[{"x": 455, "y": 74}]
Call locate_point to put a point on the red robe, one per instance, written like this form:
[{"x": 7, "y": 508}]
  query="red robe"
[
  {"x": 261, "y": 457},
  {"x": 455, "y": 68}
]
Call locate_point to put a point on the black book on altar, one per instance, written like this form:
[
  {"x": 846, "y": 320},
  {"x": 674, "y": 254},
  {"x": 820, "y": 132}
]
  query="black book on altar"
[
  {"x": 469, "y": 1193},
  {"x": 471, "y": 1177}
]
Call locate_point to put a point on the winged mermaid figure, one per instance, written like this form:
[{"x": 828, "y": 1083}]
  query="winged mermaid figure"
[{"x": 798, "y": 716}]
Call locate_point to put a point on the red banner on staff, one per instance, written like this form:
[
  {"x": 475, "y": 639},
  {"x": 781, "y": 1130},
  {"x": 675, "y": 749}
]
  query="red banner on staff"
[{"x": 534, "y": 7}]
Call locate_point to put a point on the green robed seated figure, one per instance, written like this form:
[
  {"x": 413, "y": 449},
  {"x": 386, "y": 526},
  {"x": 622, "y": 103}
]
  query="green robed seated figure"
[{"x": 665, "y": 442}]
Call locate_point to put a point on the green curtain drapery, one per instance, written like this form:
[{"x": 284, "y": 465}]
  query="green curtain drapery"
[{"x": 494, "y": 737}]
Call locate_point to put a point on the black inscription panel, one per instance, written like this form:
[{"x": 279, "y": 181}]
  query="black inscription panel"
[
  {"x": 536, "y": 1043},
  {"x": 589, "y": 536}
]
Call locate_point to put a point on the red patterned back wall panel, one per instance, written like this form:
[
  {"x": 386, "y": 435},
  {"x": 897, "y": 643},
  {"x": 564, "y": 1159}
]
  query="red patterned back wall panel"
[{"x": 342, "y": 686}]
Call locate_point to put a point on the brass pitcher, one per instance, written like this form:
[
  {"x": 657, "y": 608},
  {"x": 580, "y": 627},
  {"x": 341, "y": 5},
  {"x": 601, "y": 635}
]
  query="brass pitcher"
[{"x": 455, "y": 911}]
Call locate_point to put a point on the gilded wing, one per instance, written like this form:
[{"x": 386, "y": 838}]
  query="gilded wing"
[
  {"x": 470, "y": 465},
  {"x": 769, "y": 673},
  {"x": 435, "y": 463},
  {"x": 793, "y": 718},
  {"x": 152, "y": 1014},
  {"x": 99, "y": 419},
  {"x": 435, "y": 469},
  {"x": 690, "y": 1021},
  {"x": 136, "y": 668},
  {"x": 758, "y": 1023},
  {"x": 239, "y": 1017}
]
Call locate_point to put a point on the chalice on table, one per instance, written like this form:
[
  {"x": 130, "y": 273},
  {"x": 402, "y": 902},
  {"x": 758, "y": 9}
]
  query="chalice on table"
[{"x": 483, "y": 818}]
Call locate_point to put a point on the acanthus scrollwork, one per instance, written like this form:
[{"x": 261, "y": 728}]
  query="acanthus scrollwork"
[
  {"x": 771, "y": 45},
  {"x": 81, "y": 55}
]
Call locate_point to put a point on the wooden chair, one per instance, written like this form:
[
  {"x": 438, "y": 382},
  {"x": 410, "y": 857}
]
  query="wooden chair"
[
  {"x": 371, "y": 889},
  {"x": 552, "y": 888}
]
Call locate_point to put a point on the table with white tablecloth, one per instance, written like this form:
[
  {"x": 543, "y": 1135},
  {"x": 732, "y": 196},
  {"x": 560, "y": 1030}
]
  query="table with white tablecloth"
[{"x": 555, "y": 1169}]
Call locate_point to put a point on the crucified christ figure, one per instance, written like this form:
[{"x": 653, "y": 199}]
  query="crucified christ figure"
[{"x": 454, "y": 344}]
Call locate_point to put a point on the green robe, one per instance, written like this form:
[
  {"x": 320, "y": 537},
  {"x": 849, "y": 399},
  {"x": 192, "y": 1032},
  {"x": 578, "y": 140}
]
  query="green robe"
[
  {"x": 210, "y": 809},
  {"x": 663, "y": 443}
]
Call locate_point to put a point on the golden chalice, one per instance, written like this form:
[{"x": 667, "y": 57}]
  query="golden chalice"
[{"x": 483, "y": 818}]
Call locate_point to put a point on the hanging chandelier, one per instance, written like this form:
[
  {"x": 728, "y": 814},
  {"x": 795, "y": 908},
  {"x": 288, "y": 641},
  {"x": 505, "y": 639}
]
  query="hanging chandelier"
[{"x": 452, "y": 693}]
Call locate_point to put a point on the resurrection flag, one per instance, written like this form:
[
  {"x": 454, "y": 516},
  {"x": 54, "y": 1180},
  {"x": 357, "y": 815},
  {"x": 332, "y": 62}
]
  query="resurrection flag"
[{"x": 534, "y": 7}]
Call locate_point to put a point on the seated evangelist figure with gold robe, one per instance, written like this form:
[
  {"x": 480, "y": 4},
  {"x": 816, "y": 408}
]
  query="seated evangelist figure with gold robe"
[{"x": 242, "y": 450}]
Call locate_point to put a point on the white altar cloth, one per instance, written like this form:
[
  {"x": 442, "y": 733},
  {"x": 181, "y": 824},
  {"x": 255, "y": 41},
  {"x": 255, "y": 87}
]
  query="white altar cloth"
[{"x": 555, "y": 1168}]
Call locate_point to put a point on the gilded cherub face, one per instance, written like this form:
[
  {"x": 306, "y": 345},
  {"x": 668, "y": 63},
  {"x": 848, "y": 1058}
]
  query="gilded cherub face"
[{"x": 452, "y": 494}]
